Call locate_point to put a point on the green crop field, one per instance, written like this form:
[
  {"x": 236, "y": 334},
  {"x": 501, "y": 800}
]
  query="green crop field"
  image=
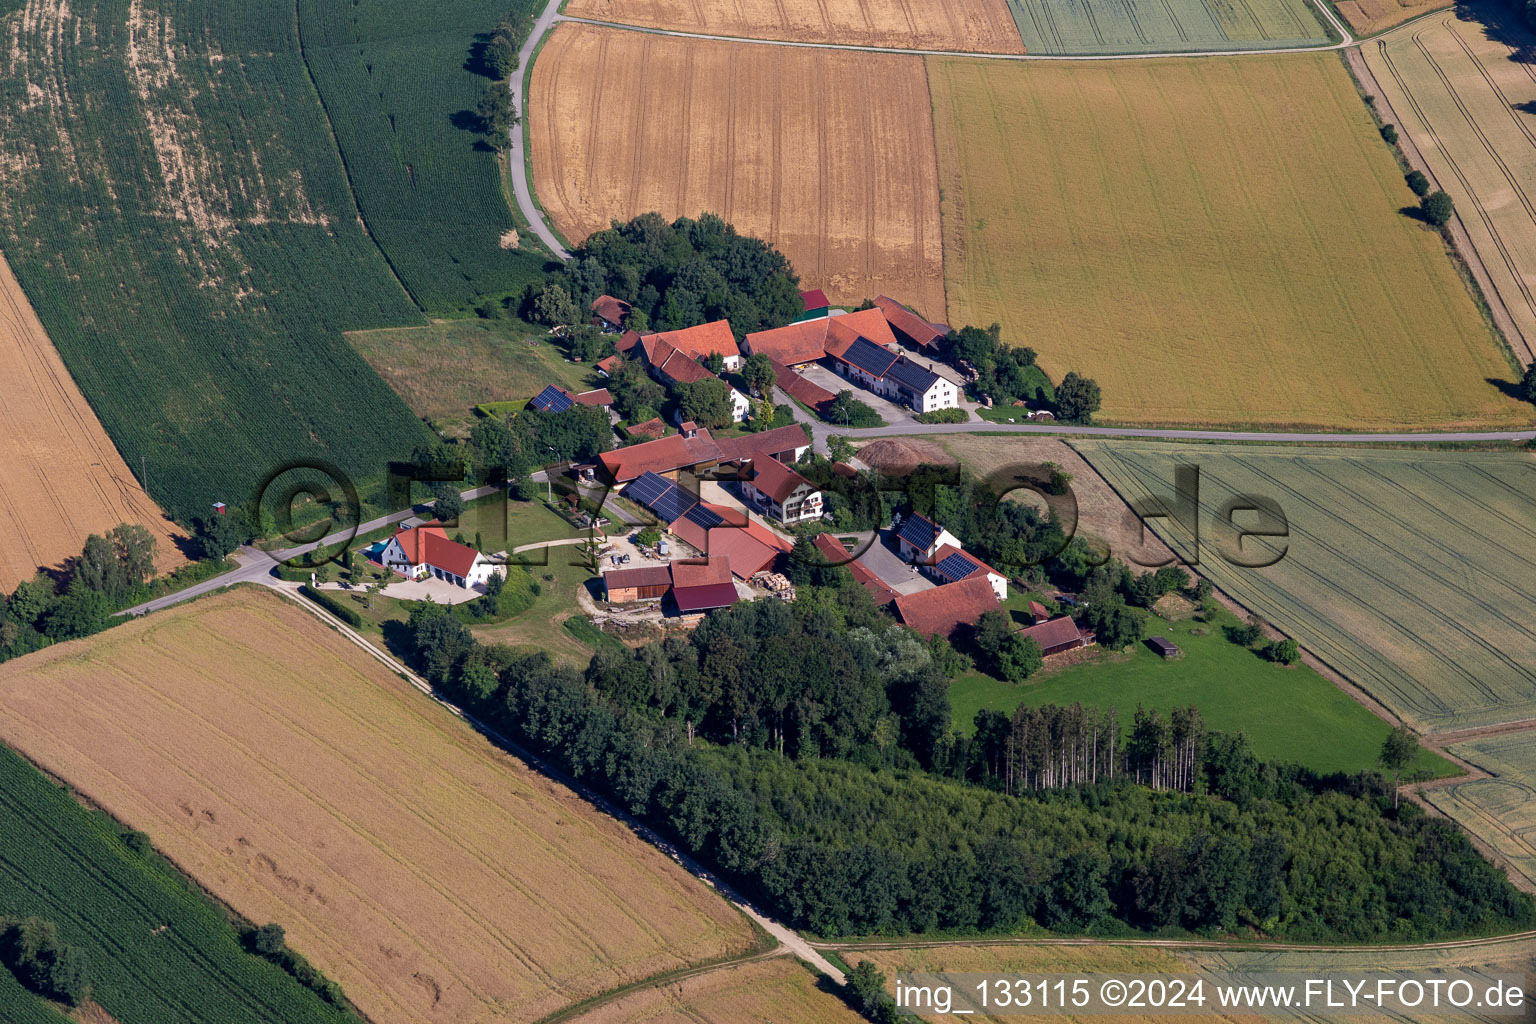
[
  {"x": 1500, "y": 811},
  {"x": 159, "y": 951},
  {"x": 1461, "y": 86},
  {"x": 1288, "y": 714},
  {"x": 1148, "y": 26},
  {"x": 1215, "y": 241},
  {"x": 393, "y": 77},
  {"x": 175, "y": 208},
  {"x": 1412, "y": 573}
]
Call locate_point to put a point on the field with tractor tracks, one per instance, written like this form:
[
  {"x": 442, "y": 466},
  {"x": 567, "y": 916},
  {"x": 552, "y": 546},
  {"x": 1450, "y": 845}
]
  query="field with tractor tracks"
[
  {"x": 828, "y": 155},
  {"x": 62, "y": 478},
  {"x": 1409, "y": 572},
  {"x": 1464, "y": 89},
  {"x": 1165, "y": 26},
  {"x": 1120, "y": 218},
  {"x": 980, "y": 26},
  {"x": 776, "y": 991},
  {"x": 435, "y": 878},
  {"x": 1501, "y": 811}
]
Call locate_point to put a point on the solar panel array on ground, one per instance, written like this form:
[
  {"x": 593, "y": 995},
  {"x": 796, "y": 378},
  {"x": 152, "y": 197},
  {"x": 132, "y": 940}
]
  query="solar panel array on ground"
[{"x": 552, "y": 399}]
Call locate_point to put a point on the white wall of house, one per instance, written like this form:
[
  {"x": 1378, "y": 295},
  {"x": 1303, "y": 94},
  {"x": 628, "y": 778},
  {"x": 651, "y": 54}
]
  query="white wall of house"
[
  {"x": 943, "y": 395},
  {"x": 805, "y": 503},
  {"x": 741, "y": 406},
  {"x": 912, "y": 553}
]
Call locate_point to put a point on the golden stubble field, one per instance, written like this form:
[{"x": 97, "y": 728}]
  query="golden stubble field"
[
  {"x": 778, "y": 990},
  {"x": 435, "y": 878},
  {"x": 1368, "y": 17},
  {"x": 1216, "y": 241},
  {"x": 828, "y": 155},
  {"x": 976, "y": 26},
  {"x": 61, "y": 479}
]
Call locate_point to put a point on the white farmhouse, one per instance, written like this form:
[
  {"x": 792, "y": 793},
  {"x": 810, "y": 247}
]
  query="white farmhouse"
[{"x": 426, "y": 551}]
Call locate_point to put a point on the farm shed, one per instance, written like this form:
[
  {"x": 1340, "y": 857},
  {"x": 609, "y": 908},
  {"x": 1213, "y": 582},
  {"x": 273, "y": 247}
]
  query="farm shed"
[
  {"x": 642, "y": 584},
  {"x": 1057, "y": 635},
  {"x": 1163, "y": 646},
  {"x": 942, "y": 611}
]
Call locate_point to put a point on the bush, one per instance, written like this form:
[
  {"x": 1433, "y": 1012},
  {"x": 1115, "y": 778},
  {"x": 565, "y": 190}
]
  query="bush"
[
  {"x": 1389, "y": 133},
  {"x": 846, "y": 410},
  {"x": 336, "y": 608},
  {"x": 1244, "y": 636},
  {"x": 1418, "y": 183},
  {"x": 1283, "y": 652},
  {"x": 31, "y": 948},
  {"x": 1438, "y": 207},
  {"x": 268, "y": 939},
  {"x": 944, "y": 416}
]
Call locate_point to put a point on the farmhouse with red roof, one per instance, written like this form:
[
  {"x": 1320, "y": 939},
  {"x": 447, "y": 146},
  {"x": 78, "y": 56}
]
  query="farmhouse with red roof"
[
  {"x": 942, "y": 611},
  {"x": 424, "y": 552},
  {"x": 775, "y": 490}
]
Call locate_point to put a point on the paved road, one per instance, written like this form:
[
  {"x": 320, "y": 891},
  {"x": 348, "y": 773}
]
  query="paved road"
[{"x": 520, "y": 186}]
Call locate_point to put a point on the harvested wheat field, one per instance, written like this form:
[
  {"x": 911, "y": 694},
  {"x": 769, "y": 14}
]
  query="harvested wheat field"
[
  {"x": 1119, "y": 218},
  {"x": 779, "y": 990},
  {"x": 60, "y": 477},
  {"x": 1368, "y": 17},
  {"x": 977, "y": 26},
  {"x": 1461, "y": 85},
  {"x": 829, "y": 155},
  {"x": 300, "y": 781}
]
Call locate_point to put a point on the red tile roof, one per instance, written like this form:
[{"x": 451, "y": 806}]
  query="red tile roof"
[
  {"x": 703, "y": 341},
  {"x": 775, "y": 479},
  {"x": 652, "y": 428},
  {"x": 751, "y": 548},
  {"x": 778, "y": 441},
  {"x": 805, "y": 391},
  {"x": 642, "y": 576},
  {"x": 833, "y": 550},
  {"x": 916, "y": 330},
  {"x": 600, "y": 396},
  {"x": 627, "y": 341},
  {"x": 662, "y": 456},
  {"x": 692, "y": 573},
  {"x": 672, "y": 363},
  {"x": 614, "y": 311},
  {"x": 430, "y": 545},
  {"x": 844, "y": 470},
  {"x": 814, "y": 299},
  {"x": 1037, "y": 610},
  {"x": 943, "y": 610},
  {"x": 804, "y": 342},
  {"x": 1054, "y": 633},
  {"x": 611, "y": 363},
  {"x": 844, "y": 330},
  {"x": 703, "y": 599}
]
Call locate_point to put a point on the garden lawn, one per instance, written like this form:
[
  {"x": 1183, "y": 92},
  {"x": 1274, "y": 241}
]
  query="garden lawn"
[
  {"x": 445, "y": 369},
  {"x": 542, "y": 627},
  {"x": 1288, "y": 714}
]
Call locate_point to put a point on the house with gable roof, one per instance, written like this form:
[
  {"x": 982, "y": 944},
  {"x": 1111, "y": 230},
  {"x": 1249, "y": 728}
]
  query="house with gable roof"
[{"x": 425, "y": 552}]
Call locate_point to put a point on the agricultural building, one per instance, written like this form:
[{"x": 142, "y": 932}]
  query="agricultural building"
[
  {"x": 894, "y": 377},
  {"x": 642, "y": 584},
  {"x": 951, "y": 564},
  {"x": 920, "y": 538},
  {"x": 775, "y": 490},
  {"x": 1037, "y": 611},
  {"x": 423, "y": 552},
  {"x": 712, "y": 339},
  {"x": 703, "y": 586},
  {"x": 943, "y": 611},
  {"x": 1164, "y": 647},
  {"x": 701, "y": 452},
  {"x": 910, "y": 329},
  {"x": 833, "y": 551},
  {"x": 610, "y": 314},
  {"x": 1056, "y": 636}
]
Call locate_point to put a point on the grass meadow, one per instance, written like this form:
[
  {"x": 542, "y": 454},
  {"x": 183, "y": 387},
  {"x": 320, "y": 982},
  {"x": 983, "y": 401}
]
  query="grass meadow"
[
  {"x": 158, "y": 949},
  {"x": 1144, "y": 26},
  {"x": 1412, "y": 573},
  {"x": 400, "y": 81},
  {"x": 176, "y": 211},
  {"x": 434, "y": 877},
  {"x": 445, "y": 369},
  {"x": 1125, "y": 219},
  {"x": 1288, "y": 714}
]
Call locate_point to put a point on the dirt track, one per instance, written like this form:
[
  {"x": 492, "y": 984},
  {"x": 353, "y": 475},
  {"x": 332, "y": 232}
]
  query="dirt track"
[{"x": 62, "y": 479}]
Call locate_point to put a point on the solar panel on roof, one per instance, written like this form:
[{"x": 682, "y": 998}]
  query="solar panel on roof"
[
  {"x": 869, "y": 357},
  {"x": 674, "y": 504},
  {"x": 956, "y": 567},
  {"x": 705, "y": 517},
  {"x": 647, "y": 488},
  {"x": 918, "y": 531},
  {"x": 913, "y": 376},
  {"x": 552, "y": 399}
]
